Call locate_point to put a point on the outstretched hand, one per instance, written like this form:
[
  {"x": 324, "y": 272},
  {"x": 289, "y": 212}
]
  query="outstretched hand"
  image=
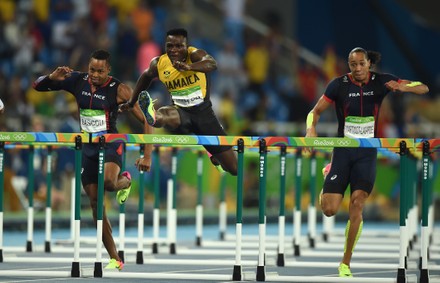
[
  {"x": 396, "y": 86},
  {"x": 310, "y": 133},
  {"x": 60, "y": 73},
  {"x": 181, "y": 66},
  {"x": 143, "y": 164},
  {"x": 125, "y": 107}
]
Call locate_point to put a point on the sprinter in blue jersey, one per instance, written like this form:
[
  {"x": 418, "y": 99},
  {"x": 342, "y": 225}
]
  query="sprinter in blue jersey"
[
  {"x": 357, "y": 97},
  {"x": 98, "y": 96}
]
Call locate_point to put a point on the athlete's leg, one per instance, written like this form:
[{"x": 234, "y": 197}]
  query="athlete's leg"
[
  {"x": 361, "y": 183},
  {"x": 336, "y": 176},
  {"x": 354, "y": 226},
  {"x": 107, "y": 239},
  {"x": 113, "y": 181},
  {"x": 167, "y": 117},
  {"x": 330, "y": 203},
  {"x": 228, "y": 161}
]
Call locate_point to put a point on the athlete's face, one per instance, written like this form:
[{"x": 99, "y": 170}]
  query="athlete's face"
[
  {"x": 176, "y": 48},
  {"x": 359, "y": 66},
  {"x": 98, "y": 71}
]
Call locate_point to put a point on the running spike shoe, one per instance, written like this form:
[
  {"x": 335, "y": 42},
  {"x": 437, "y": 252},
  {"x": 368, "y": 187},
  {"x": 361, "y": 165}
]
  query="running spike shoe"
[
  {"x": 115, "y": 264},
  {"x": 122, "y": 195},
  {"x": 344, "y": 270},
  {"x": 147, "y": 106}
]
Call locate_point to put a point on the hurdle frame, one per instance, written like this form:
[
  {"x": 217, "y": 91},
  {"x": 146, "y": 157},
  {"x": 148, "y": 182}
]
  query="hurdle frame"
[{"x": 207, "y": 140}]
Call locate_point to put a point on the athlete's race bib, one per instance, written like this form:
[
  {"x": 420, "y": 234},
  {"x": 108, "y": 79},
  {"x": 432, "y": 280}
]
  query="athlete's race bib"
[
  {"x": 92, "y": 121},
  {"x": 359, "y": 127},
  {"x": 188, "y": 97}
]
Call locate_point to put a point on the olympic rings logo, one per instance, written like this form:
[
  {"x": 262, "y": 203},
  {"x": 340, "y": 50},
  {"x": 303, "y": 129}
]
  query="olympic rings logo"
[
  {"x": 182, "y": 139},
  {"x": 344, "y": 142},
  {"x": 20, "y": 137}
]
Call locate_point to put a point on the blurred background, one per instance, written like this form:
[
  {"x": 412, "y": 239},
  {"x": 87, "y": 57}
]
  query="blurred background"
[{"x": 275, "y": 59}]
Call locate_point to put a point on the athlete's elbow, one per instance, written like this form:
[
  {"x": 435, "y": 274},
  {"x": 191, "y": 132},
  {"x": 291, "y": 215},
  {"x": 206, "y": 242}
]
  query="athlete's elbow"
[{"x": 425, "y": 89}]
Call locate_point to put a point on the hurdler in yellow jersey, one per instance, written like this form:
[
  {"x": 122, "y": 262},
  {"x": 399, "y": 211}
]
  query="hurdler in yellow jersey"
[
  {"x": 184, "y": 70},
  {"x": 187, "y": 88}
]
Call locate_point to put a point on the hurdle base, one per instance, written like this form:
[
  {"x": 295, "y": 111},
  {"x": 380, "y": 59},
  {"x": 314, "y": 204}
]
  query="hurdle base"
[
  {"x": 198, "y": 241},
  {"x": 222, "y": 236},
  {"x": 173, "y": 248},
  {"x": 97, "y": 272},
  {"x": 47, "y": 246},
  {"x": 75, "y": 272},
  {"x": 424, "y": 276},
  {"x": 280, "y": 260},
  {"x": 296, "y": 250},
  {"x": 121, "y": 255},
  {"x": 401, "y": 275},
  {"x": 261, "y": 273},
  {"x": 325, "y": 237},
  {"x": 139, "y": 257},
  {"x": 236, "y": 274},
  {"x": 154, "y": 248},
  {"x": 311, "y": 242},
  {"x": 29, "y": 246},
  {"x": 1, "y": 255}
]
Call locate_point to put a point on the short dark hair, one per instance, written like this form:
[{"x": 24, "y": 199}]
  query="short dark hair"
[
  {"x": 178, "y": 31},
  {"x": 373, "y": 56},
  {"x": 101, "y": 55}
]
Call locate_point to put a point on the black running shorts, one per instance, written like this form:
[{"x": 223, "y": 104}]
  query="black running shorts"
[
  {"x": 354, "y": 166},
  {"x": 201, "y": 122},
  {"x": 90, "y": 160}
]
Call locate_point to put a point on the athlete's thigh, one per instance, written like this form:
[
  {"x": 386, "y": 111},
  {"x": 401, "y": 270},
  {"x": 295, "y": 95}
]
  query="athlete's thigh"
[
  {"x": 206, "y": 123},
  {"x": 91, "y": 191},
  {"x": 113, "y": 161},
  {"x": 89, "y": 170},
  {"x": 337, "y": 179},
  {"x": 175, "y": 119},
  {"x": 364, "y": 170}
]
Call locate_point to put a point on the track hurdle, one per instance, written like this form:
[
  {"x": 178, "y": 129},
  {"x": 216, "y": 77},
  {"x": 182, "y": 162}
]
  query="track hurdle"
[{"x": 293, "y": 279}]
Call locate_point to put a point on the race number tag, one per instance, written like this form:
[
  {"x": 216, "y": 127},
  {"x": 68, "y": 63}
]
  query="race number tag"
[
  {"x": 359, "y": 127},
  {"x": 188, "y": 97},
  {"x": 92, "y": 121}
]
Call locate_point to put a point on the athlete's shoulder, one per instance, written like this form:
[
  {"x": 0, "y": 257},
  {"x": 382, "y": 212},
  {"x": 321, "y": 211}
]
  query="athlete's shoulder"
[
  {"x": 336, "y": 82},
  {"x": 75, "y": 75},
  {"x": 335, "y": 85},
  {"x": 384, "y": 77},
  {"x": 163, "y": 60},
  {"x": 191, "y": 49},
  {"x": 114, "y": 82}
]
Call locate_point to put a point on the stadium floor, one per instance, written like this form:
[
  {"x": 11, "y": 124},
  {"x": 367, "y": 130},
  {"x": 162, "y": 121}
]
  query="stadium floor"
[{"x": 375, "y": 258}]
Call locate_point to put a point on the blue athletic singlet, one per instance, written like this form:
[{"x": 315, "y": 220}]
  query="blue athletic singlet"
[
  {"x": 357, "y": 109},
  {"x": 98, "y": 114}
]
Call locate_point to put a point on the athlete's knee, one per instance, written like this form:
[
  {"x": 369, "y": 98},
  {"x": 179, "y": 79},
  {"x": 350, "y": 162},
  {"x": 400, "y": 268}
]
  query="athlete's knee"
[
  {"x": 328, "y": 208},
  {"x": 232, "y": 170},
  {"x": 109, "y": 185},
  {"x": 93, "y": 204},
  {"x": 357, "y": 201},
  {"x": 329, "y": 211}
]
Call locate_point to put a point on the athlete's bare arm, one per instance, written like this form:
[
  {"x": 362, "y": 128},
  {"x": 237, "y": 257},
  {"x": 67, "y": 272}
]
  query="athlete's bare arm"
[
  {"x": 320, "y": 107},
  {"x": 124, "y": 94},
  {"x": 407, "y": 86},
  {"x": 60, "y": 73},
  {"x": 142, "y": 83},
  {"x": 202, "y": 62}
]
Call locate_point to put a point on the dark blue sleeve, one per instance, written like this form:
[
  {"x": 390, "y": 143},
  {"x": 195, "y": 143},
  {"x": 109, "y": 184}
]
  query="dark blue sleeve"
[
  {"x": 388, "y": 77},
  {"x": 331, "y": 92},
  {"x": 43, "y": 83},
  {"x": 384, "y": 78}
]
